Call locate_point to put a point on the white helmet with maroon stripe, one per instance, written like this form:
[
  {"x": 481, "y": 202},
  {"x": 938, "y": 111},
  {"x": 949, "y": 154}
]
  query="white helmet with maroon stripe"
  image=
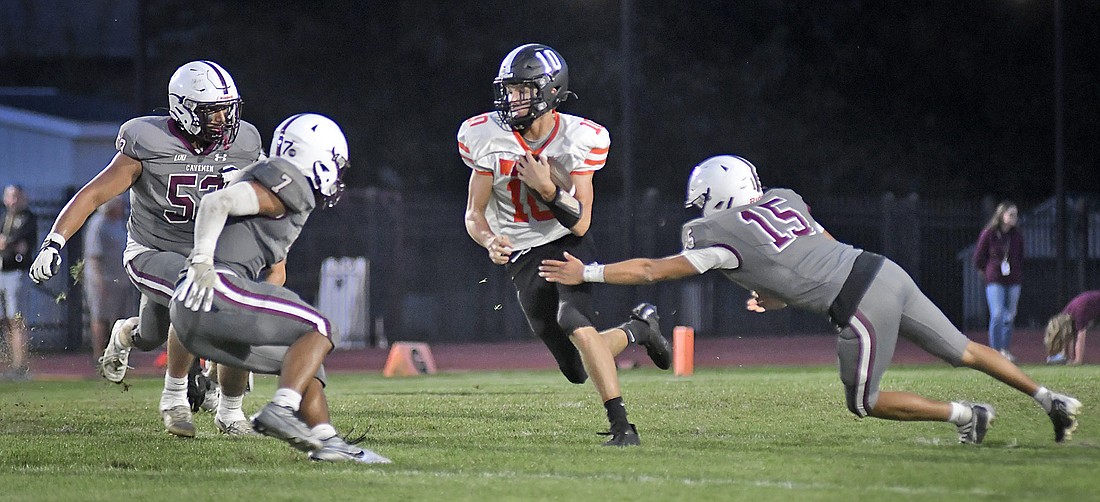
[
  {"x": 318, "y": 148},
  {"x": 722, "y": 182},
  {"x": 196, "y": 92}
]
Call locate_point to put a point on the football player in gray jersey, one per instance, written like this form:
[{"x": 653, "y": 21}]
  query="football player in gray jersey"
[
  {"x": 771, "y": 245},
  {"x": 224, "y": 313},
  {"x": 167, "y": 164}
]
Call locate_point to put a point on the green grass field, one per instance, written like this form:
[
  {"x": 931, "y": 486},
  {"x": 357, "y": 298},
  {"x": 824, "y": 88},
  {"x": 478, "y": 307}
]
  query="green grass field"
[{"x": 723, "y": 434}]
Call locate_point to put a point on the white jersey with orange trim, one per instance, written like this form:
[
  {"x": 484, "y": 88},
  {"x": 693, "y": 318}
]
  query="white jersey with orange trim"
[{"x": 491, "y": 148}]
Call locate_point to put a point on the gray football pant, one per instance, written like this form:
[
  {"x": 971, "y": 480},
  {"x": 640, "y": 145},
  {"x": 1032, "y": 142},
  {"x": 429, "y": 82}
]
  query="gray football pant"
[
  {"x": 251, "y": 325},
  {"x": 893, "y": 305},
  {"x": 155, "y": 274}
]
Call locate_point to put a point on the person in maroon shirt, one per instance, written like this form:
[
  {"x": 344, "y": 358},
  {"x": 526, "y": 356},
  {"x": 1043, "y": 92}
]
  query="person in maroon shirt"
[
  {"x": 1000, "y": 258},
  {"x": 1065, "y": 336}
]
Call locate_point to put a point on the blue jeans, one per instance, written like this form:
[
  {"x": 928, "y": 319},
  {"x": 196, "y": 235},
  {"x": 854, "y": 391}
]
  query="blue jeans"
[{"x": 1002, "y": 313}]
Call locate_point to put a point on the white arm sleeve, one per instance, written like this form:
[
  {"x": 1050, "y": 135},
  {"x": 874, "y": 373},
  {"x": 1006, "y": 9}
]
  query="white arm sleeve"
[
  {"x": 238, "y": 199},
  {"x": 711, "y": 258}
]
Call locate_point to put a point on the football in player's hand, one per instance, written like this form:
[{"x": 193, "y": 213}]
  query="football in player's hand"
[{"x": 560, "y": 175}]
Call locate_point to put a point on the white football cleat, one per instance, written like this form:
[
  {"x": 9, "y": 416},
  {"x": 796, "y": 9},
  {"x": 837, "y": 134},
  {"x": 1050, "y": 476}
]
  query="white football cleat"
[
  {"x": 337, "y": 449},
  {"x": 116, "y": 356}
]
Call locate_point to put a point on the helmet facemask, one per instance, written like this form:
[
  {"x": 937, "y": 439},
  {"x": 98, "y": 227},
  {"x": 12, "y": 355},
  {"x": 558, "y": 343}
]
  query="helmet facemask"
[
  {"x": 222, "y": 134},
  {"x": 532, "y": 104},
  {"x": 700, "y": 201},
  {"x": 329, "y": 179}
]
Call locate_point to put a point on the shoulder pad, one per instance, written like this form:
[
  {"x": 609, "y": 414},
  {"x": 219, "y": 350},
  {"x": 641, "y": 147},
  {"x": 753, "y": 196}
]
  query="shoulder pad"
[
  {"x": 586, "y": 132},
  {"x": 687, "y": 233},
  {"x": 786, "y": 193},
  {"x": 483, "y": 134},
  {"x": 142, "y": 137},
  {"x": 590, "y": 141},
  {"x": 285, "y": 181},
  {"x": 249, "y": 140}
]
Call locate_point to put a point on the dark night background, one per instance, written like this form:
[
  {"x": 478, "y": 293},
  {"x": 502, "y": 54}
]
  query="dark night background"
[
  {"x": 902, "y": 123},
  {"x": 946, "y": 99}
]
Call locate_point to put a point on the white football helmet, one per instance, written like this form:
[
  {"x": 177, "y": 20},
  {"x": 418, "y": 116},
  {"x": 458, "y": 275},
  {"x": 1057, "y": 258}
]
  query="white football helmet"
[
  {"x": 722, "y": 182},
  {"x": 318, "y": 148},
  {"x": 196, "y": 92}
]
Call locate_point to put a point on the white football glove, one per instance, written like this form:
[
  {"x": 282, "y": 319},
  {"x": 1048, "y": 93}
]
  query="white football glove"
[
  {"x": 230, "y": 174},
  {"x": 48, "y": 261},
  {"x": 197, "y": 289}
]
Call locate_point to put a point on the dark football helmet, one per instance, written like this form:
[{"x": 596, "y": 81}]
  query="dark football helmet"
[{"x": 540, "y": 68}]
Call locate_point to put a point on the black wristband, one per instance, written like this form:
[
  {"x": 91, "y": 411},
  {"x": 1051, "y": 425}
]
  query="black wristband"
[
  {"x": 566, "y": 208},
  {"x": 51, "y": 242}
]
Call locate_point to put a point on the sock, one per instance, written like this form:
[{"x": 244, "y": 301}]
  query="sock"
[
  {"x": 616, "y": 414},
  {"x": 324, "y": 431},
  {"x": 287, "y": 398},
  {"x": 229, "y": 409},
  {"x": 128, "y": 341},
  {"x": 174, "y": 393},
  {"x": 961, "y": 414},
  {"x": 630, "y": 328},
  {"x": 1045, "y": 398},
  {"x": 123, "y": 341}
]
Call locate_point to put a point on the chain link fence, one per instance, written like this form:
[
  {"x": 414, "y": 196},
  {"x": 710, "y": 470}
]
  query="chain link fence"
[{"x": 429, "y": 282}]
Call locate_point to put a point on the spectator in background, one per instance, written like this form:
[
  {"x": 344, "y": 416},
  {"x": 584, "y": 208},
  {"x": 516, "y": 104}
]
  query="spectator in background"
[
  {"x": 107, "y": 290},
  {"x": 18, "y": 233},
  {"x": 1000, "y": 257},
  {"x": 1065, "y": 335}
]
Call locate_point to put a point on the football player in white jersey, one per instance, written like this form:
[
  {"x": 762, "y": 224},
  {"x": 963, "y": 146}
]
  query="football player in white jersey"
[
  {"x": 770, "y": 244},
  {"x": 167, "y": 164},
  {"x": 521, "y": 214}
]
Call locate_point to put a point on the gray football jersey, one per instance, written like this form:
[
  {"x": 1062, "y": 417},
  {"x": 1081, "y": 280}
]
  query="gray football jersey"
[
  {"x": 173, "y": 178},
  {"x": 781, "y": 249},
  {"x": 249, "y": 245}
]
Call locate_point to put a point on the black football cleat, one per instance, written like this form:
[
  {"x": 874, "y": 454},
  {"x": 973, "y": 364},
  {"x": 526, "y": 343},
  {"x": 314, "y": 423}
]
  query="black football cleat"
[
  {"x": 973, "y": 432},
  {"x": 645, "y": 330},
  {"x": 1063, "y": 415},
  {"x": 623, "y": 438},
  {"x": 197, "y": 385}
]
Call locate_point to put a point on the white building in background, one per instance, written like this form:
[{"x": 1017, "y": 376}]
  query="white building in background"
[
  {"x": 52, "y": 144},
  {"x": 47, "y": 153},
  {"x": 57, "y": 139}
]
